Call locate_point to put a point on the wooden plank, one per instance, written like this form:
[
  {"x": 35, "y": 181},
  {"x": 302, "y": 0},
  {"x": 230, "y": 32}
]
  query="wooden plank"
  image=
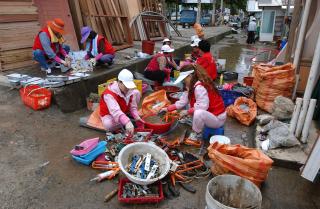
[
  {"x": 103, "y": 20},
  {"x": 13, "y": 56},
  {"x": 19, "y": 3},
  {"x": 93, "y": 20},
  {"x": 115, "y": 32},
  {"x": 18, "y": 18},
  {"x": 312, "y": 165},
  {"x": 17, "y": 65},
  {"x": 19, "y": 25},
  {"x": 18, "y": 10}
]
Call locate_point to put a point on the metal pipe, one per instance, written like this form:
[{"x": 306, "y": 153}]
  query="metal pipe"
[
  {"x": 309, "y": 88},
  {"x": 295, "y": 115},
  {"x": 306, "y": 127}
]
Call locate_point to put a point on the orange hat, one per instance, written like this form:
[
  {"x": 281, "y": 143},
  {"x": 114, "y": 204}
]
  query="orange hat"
[{"x": 57, "y": 25}]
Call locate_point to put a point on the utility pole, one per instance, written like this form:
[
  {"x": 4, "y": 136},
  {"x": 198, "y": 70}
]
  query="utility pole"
[
  {"x": 177, "y": 8},
  {"x": 199, "y": 12},
  {"x": 221, "y": 12},
  {"x": 213, "y": 17}
]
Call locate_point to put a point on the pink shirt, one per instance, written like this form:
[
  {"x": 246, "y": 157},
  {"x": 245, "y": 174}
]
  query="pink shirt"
[{"x": 114, "y": 108}]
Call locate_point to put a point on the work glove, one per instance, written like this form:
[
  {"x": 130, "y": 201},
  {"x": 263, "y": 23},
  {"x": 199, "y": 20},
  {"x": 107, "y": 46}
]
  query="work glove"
[
  {"x": 130, "y": 128},
  {"x": 183, "y": 113},
  {"x": 68, "y": 58},
  {"x": 93, "y": 61},
  {"x": 66, "y": 63}
]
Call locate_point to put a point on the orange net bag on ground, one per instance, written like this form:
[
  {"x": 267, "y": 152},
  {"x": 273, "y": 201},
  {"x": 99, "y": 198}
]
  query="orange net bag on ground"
[
  {"x": 153, "y": 103},
  {"x": 272, "y": 81},
  {"x": 248, "y": 163},
  {"x": 244, "y": 110}
]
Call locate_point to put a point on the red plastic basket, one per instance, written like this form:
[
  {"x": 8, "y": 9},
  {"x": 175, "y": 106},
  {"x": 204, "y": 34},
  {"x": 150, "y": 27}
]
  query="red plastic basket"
[
  {"x": 129, "y": 140},
  {"x": 139, "y": 200},
  {"x": 157, "y": 128},
  {"x": 36, "y": 97}
]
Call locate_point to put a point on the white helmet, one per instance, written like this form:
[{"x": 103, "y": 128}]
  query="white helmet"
[{"x": 126, "y": 77}]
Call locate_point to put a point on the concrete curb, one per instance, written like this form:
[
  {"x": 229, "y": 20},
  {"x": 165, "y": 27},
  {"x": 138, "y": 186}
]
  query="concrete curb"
[{"x": 73, "y": 97}]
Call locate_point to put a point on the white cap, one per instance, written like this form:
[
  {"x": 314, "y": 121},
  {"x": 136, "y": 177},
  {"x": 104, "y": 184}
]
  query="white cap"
[
  {"x": 126, "y": 77},
  {"x": 183, "y": 75},
  {"x": 166, "y": 40},
  {"x": 254, "y": 19},
  {"x": 167, "y": 49},
  {"x": 195, "y": 42}
]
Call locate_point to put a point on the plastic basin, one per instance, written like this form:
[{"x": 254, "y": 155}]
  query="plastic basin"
[
  {"x": 157, "y": 127},
  {"x": 142, "y": 148}
]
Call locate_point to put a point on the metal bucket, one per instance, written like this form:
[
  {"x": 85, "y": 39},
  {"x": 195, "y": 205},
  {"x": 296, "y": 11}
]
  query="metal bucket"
[{"x": 231, "y": 192}]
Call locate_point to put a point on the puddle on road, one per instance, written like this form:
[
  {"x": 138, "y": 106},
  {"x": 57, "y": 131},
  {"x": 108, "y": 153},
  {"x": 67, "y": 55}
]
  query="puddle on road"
[{"x": 234, "y": 53}]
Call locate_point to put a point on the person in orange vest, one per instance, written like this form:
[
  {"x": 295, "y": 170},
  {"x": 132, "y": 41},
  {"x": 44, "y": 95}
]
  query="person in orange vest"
[
  {"x": 119, "y": 100},
  {"x": 99, "y": 50},
  {"x": 206, "y": 104},
  {"x": 206, "y": 59},
  {"x": 48, "y": 47},
  {"x": 159, "y": 68}
]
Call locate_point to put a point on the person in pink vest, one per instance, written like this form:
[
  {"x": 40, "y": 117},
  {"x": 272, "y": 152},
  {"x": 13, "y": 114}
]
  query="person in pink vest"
[
  {"x": 99, "y": 50},
  {"x": 206, "y": 104},
  {"x": 159, "y": 68},
  {"x": 118, "y": 101}
]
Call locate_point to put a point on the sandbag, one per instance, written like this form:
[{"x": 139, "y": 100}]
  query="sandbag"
[
  {"x": 282, "y": 108},
  {"x": 248, "y": 163},
  {"x": 153, "y": 103},
  {"x": 244, "y": 110},
  {"x": 272, "y": 81}
]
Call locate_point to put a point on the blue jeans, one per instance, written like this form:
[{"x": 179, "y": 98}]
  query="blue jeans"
[
  {"x": 106, "y": 58},
  {"x": 40, "y": 56}
]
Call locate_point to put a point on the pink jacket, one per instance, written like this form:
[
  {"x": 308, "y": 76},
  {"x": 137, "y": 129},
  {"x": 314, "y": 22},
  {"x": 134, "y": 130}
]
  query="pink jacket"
[
  {"x": 202, "y": 100},
  {"x": 114, "y": 108}
]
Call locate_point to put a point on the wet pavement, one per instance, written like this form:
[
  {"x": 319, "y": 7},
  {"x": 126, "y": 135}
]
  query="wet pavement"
[{"x": 37, "y": 170}]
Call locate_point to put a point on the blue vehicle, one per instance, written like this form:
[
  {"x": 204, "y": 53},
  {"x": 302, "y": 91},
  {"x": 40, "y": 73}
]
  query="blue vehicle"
[
  {"x": 188, "y": 17},
  {"x": 205, "y": 19}
]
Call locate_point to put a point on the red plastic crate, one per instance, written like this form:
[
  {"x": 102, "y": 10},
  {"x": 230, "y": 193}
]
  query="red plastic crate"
[
  {"x": 139, "y": 200},
  {"x": 129, "y": 140}
]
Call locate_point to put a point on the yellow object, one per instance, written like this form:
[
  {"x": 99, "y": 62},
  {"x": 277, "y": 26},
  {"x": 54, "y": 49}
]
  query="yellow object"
[
  {"x": 54, "y": 38},
  {"x": 187, "y": 56},
  {"x": 176, "y": 73},
  {"x": 221, "y": 79},
  {"x": 103, "y": 86}
]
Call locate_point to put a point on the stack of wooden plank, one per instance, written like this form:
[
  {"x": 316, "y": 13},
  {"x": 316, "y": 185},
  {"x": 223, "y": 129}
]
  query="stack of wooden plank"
[
  {"x": 151, "y": 5},
  {"x": 18, "y": 27},
  {"x": 106, "y": 17}
]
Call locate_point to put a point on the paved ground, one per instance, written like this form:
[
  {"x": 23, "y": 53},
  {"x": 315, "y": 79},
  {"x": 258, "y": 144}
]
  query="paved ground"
[{"x": 29, "y": 139}]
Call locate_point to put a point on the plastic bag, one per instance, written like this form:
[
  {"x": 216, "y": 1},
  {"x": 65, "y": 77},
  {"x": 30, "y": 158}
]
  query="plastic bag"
[
  {"x": 244, "y": 110},
  {"x": 94, "y": 120},
  {"x": 248, "y": 163},
  {"x": 272, "y": 81},
  {"x": 279, "y": 135},
  {"x": 153, "y": 103}
]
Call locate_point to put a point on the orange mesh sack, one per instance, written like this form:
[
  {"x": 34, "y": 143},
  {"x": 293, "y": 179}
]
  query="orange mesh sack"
[
  {"x": 244, "y": 110},
  {"x": 272, "y": 81},
  {"x": 153, "y": 103},
  {"x": 248, "y": 163}
]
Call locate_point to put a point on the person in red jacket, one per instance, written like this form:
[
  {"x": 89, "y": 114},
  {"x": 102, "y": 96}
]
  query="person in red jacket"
[
  {"x": 206, "y": 104},
  {"x": 119, "y": 100},
  {"x": 99, "y": 50},
  {"x": 206, "y": 60},
  {"x": 49, "y": 48}
]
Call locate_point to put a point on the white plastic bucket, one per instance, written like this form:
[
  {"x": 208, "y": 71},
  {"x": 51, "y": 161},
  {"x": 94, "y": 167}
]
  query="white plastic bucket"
[
  {"x": 142, "y": 148},
  {"x": 219, "y": 138},
  {"x": 231, "y": 192}
]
